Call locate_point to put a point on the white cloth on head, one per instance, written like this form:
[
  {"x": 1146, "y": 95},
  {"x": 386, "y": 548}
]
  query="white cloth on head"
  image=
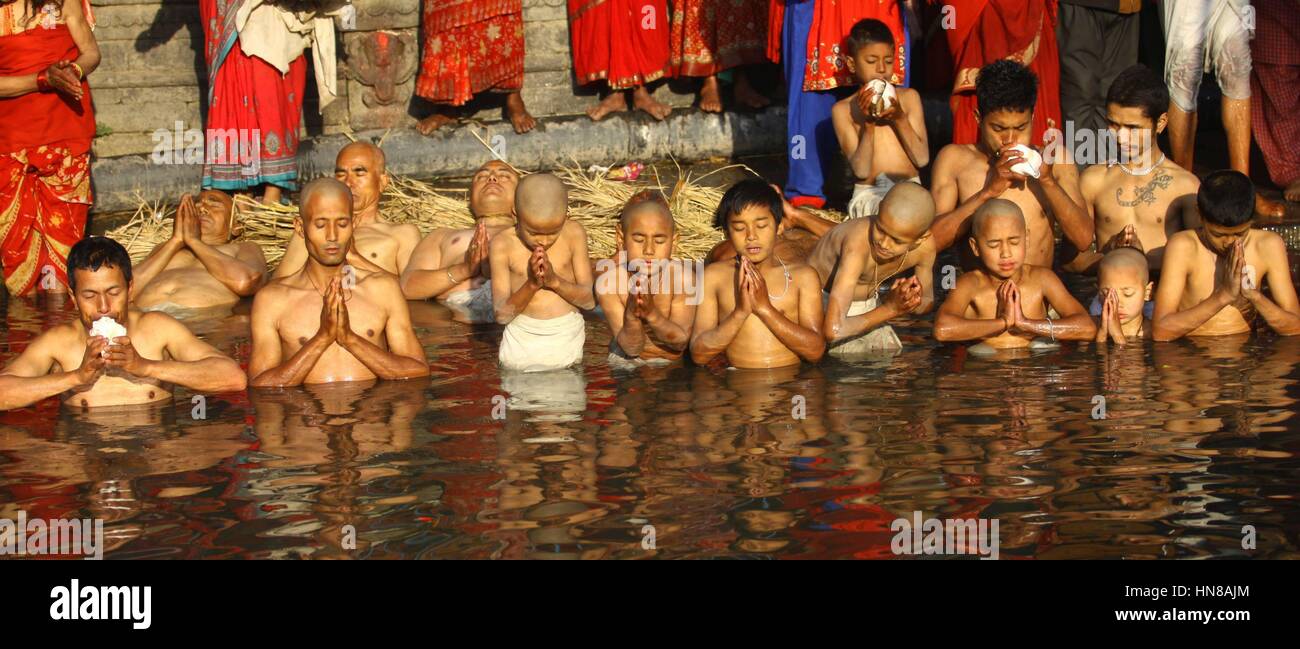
[
  {"x": 880, "y": 339},
  {"x": 867, "y": 197},
  {"x": 532, "y": 345},
  {"x": 475, "y": 302}
]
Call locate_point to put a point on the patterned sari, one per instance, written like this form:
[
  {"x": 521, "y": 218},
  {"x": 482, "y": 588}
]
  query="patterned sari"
[
  {"x": 45, "y": 142},
  {"x": 471, "y": 46}
]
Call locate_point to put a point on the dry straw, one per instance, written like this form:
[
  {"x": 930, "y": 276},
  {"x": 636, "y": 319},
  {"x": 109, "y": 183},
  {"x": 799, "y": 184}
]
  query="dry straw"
[{"x": 594, "y": 199}]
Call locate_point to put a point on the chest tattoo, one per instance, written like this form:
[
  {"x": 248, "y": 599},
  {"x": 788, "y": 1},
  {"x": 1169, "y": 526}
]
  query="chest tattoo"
[{"x": 1146, "y": 194}]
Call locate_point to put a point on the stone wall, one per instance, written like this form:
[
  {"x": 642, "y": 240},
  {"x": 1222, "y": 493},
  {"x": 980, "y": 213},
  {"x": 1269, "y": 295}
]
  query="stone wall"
[{"x": 153, "y": 73}]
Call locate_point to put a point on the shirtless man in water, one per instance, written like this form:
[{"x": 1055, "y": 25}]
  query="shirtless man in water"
[
  {"x": 1214, "y": 277},
  {"x": 331, "y": 321},
  {"x": 968, "y": 175},
  {"x": 1143, "y": 198},
  {"x": 739, "y": 316},
  {"x": 362, "y": 167},
  {"x": 200, "y": 267},
  {"x": 88, "y": 370},
  {"x": 451, "y": 264}
]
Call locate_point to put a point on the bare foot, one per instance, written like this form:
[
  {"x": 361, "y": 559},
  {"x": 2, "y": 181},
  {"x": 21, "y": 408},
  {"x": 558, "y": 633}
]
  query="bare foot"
[
  {"x": 1292, "y": 192},
  {"x": 614, "y": 102},
  {"x": 746, "y": 95},
  {"x": 434, "y": 122},
  {"x": 518, "y": 113},
  {"x": 710, "y": 97},
  {"x": 643, "y": 101},
  {"x": 271, "y": 195},
  {"x": 1269, "y": 209}
]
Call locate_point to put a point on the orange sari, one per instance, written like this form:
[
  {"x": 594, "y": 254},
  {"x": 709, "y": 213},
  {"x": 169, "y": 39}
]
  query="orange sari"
[{"x": 45, "y": 142}]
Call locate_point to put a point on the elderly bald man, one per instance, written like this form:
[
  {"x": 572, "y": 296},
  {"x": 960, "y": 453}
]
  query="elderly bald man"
[
  {"x": 451, "y": 264},
  {"x": 361, "y": 167}
]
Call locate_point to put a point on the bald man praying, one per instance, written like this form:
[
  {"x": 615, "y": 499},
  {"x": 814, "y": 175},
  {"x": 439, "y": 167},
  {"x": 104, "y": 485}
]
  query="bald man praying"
[
  {"x": 857, "y": 256},
  {"x": 361, "y": 166},
  {"x": 541, "y": 278},
  {"x": 331, "y": 320}
]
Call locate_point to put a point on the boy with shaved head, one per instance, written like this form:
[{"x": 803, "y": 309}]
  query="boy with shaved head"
[
  {"x": 1124, "y": 288},
  {"x": 1004, "y": 302},
  {"x": 857, "y": 256},
  {"x": 361, "y": 167},
  {"x": 200, "y": 266},
  {"x": 331, "y": 320},
  {"x": 451, "y": 263},
  {"x": 542, "y": 277},
  {"x": 649, "y": 319}
]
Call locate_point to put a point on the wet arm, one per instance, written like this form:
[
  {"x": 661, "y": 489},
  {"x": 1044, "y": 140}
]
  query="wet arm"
[
  {"x": 1062, "y": 195},
  {"x": 1167, "y": 322},
  {"x": 951, "y": 323},
  {"x": 241, "y": 277},
  {"x": 27, "y": 379},
  {"x": 266, "y": 365},
  {"x": 194, "y": 364},
  {"x": 404, "y": 359},
  {"x": 1074, "y": 324},
  {"x": 855, "y": 138},
  {"x": 804, "y": 337},
  {"x": 712, "y": 337},
  {"x": 1282, "y": 312},
  {"x": 911, "y": 131}
]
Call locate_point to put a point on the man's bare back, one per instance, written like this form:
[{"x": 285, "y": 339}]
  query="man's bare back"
[{"x": 851, "y": 237}]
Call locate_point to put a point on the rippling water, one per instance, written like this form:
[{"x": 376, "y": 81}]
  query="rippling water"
[{"x": 1198, "y": 440}]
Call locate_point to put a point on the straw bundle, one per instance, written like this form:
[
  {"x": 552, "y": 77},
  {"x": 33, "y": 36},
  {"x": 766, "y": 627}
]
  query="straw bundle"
[{"x": 594, "y": 199}]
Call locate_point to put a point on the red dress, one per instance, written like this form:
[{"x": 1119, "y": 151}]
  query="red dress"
[
  {"x": 709, "y": 36},
  {"x": 624, "y": 42},
  {"x": 250, "y": 106},
  {"x": 831, "y": 25},
  {"x": 45, "y": 142},
  {"x": 988, "y": 30},
  {"x": 471, "y": 46}
]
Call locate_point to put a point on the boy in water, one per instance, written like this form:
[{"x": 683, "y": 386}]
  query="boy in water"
[
  {"x": 883, "y": 138},
  {"x": 647, "y": 323},
  {"x": 1004, "y": 302},
  {"x": 1124, "y": 288},
  {"x": 739, "y": 316},
  {"x": 856, "y": 257},
  {"x": 541, "y": 278},
  {"x": 1213, "y": 279}
]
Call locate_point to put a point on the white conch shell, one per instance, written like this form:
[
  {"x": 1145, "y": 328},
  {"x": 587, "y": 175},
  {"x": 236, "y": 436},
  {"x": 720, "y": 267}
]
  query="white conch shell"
[
  {"x": 108, "y": 328},
  {"x": 882, "y": 88},
  {"x": 1032, "y": 165}
]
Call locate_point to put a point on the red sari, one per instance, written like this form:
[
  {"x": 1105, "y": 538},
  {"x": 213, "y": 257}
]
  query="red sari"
[
  {"x": 471, "y": 46},
  {"x": 624, "y": 42},
  {"x": 988, "y": 30},
  {"x": 44, "y": 159},
  {"x": 831, "y": 25},
  {"x": 250, "y": 100},
  {"x": 709, "y": 36},
  {"x": 1275, "y": 89}
]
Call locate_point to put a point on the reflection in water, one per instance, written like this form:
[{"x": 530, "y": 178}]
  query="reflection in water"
[{"x": 1198, "y": 438}]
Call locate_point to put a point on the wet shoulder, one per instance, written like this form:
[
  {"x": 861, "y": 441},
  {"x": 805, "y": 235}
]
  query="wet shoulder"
[{"x": 956, "y": 157}]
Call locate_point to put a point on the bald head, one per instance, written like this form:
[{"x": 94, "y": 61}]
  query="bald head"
[
  {"x": 649, "y": 202},
  {"x": 318, "y": 192},
  {"x": 994, "y": 211},
  {"x": 907, "y": 210},
  {"x": 1125, "y": 260},
  {"x": 368, "y": 151},
  {"x": 541, "y": 199}
]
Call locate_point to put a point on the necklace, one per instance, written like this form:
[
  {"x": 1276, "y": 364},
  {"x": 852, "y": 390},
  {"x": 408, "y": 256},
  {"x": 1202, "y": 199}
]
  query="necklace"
[
  {"x": 784, "y": 269},
  {"x": 875, "y": 285},
  {"x": 1143, "y": 171}
]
